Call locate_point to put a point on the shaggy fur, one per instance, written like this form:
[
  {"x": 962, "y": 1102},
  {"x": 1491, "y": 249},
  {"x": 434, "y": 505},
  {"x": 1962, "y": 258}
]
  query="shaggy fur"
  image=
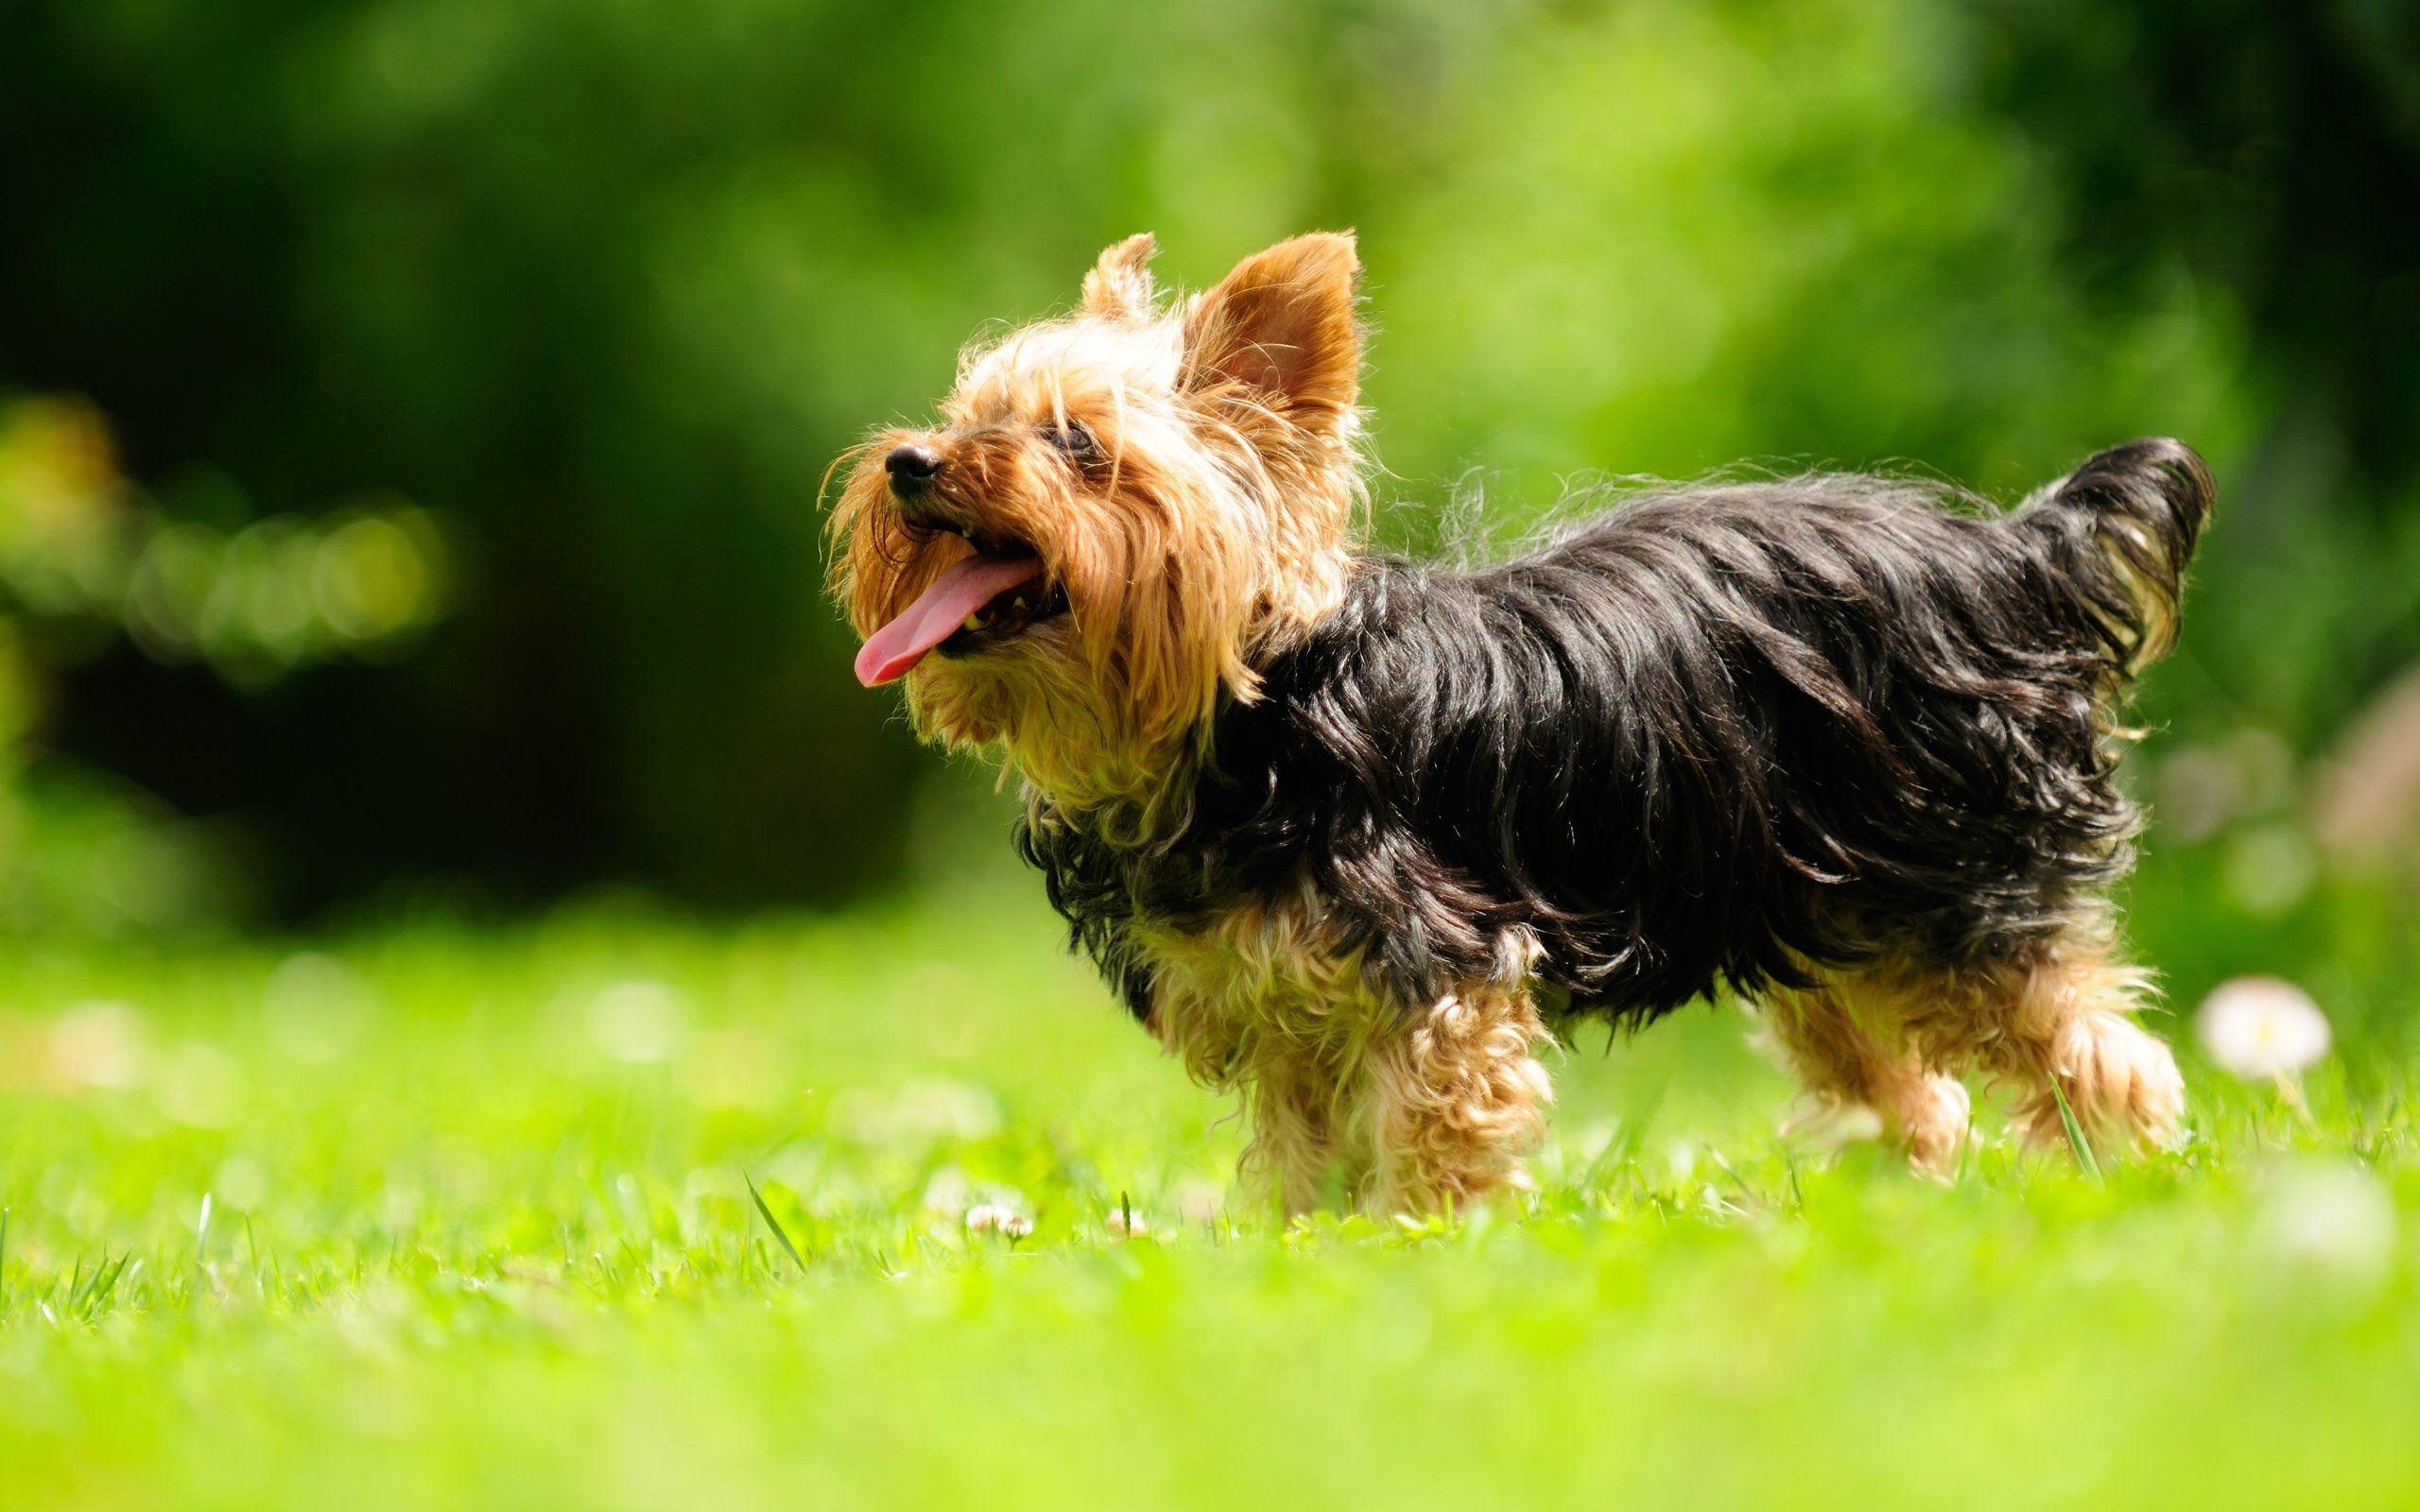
[{"x": 1355, "y": 835}]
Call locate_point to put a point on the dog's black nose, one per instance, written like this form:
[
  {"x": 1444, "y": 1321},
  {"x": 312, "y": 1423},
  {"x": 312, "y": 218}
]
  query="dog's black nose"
[{"x": 911, "y": 467}]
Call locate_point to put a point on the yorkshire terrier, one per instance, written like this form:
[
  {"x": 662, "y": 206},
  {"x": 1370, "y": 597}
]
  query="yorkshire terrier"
[{"x": 1359, "y": 837}]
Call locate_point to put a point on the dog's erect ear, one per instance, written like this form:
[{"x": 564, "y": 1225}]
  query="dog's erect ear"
[
  {"x": 1282, "y": 324},
  {"x": 1119, "y": 285}
]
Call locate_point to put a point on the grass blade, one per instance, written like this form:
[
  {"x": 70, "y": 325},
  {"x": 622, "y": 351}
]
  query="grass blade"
[
  {"x": 1628, "y": 1138},
  {"x": 2075, "y": 1132},
  {"x": 198, "y": 1284},
  {"x": 1757, "y": 1202},
  {"x": 774, "y": 1223}
]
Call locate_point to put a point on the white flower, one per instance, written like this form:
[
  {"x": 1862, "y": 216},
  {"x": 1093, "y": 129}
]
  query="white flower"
[
  {"x": 992, "y": 1218},
  {"x": 2262, "y": 1027},
  {"x": 1124, "y": 1222}
]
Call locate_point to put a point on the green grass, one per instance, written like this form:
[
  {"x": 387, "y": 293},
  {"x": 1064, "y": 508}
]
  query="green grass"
[{"x": 610, "y": 1213}]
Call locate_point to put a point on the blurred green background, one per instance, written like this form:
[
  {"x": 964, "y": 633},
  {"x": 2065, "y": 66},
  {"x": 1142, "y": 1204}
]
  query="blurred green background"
[{"x": 412, "y": 412}]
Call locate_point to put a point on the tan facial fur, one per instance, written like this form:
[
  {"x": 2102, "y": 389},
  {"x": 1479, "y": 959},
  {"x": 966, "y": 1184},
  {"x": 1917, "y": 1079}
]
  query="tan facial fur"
[{"x": 1213, "y": 516}]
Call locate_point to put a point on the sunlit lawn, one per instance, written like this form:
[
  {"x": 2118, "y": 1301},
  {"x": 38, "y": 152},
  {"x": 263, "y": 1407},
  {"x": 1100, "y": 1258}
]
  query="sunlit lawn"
[{"x": 478, "y": 1232}]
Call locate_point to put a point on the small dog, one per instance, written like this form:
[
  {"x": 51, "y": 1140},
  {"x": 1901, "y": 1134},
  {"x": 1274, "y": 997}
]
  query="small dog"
[{"x": 1358, "y": 837}]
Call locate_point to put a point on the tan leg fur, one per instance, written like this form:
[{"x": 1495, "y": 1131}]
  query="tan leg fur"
[
  {"x": 1847, "y": 1060},
  {"x": 1347, "y": 1096},
  {"x": 1454, "y": 1103},
  {"x": 1895, "y": 1037}
]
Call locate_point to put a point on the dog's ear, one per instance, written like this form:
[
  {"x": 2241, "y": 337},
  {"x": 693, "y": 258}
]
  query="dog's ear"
[
  {"x": 1280, "y": 324},
  {"x": 1119, "y": 285}
]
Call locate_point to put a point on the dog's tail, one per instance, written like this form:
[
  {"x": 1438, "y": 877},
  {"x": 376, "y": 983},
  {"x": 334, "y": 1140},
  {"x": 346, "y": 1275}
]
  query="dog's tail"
[{"x": 2119, "y": 531}]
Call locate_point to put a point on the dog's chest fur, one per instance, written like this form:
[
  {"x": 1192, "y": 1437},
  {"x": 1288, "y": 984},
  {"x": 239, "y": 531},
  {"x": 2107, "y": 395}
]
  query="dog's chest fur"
[{"x": 1265, "y": 978}]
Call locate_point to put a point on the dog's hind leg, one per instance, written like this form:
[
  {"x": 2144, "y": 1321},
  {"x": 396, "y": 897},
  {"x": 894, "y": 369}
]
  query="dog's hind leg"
[
  {"x": 1453, "y": 1101},
  {"x": 2065, "y": 1020},
  {"x": 1845, "y": 1056}
]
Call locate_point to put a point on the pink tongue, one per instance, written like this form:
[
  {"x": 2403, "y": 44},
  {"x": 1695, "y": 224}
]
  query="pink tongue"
[{"x": 938, "y": 612}]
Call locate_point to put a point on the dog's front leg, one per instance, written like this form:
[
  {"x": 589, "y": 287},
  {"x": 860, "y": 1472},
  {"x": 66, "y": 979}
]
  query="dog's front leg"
[
  {"x": 1299, "y": 1107},
  {"x": 1454, "y": 1100}
]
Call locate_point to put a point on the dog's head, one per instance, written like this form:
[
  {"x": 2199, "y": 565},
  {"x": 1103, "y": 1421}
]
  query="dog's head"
[{"x": 1114, "y": 514}]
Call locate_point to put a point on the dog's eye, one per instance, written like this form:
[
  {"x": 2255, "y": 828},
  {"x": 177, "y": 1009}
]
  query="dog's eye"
[{"x": 1075, "y": 438}]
